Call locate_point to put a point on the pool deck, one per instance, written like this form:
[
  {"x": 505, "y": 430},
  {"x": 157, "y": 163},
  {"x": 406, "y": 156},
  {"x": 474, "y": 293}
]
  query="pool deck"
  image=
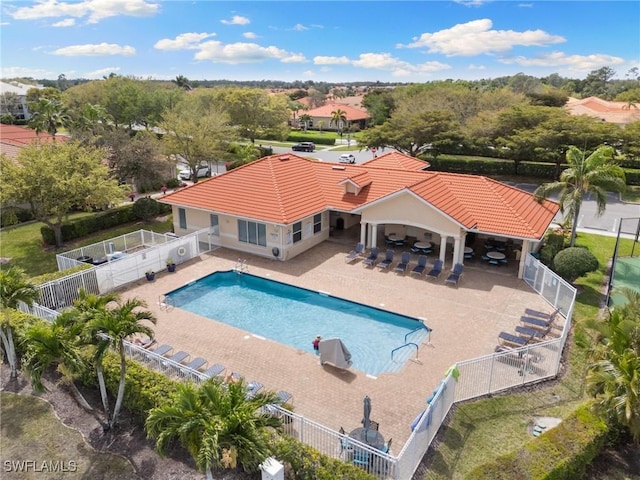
[{"x": 465, "y": 321}]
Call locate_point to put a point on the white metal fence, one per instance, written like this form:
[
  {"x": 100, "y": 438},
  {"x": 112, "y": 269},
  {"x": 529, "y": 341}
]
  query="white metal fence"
[{"x": 477, "y": 377}]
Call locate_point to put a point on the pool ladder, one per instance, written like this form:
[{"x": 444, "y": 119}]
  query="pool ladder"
[
  {"x": 412, "y": 344},
  {"x": 241, "y": 266},
  {"x": 165, "y": 303}
]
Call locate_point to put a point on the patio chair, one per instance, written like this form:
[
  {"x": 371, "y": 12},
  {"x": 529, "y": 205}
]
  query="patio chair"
[
  {"x": 545, "y": 316},
  {"x": 404, "y": 263},
  {"x": 214, "y": 370},
  {"x": 456, "y": 273},
  {"x": 421, "y": 266},
  {"x": 361, "y": 458},
  {"x": 163, "y": 349},
  {"x": 436, "y": 270},
  {"x": 509, "y": 338},
  {"x": 355, "y": 254},
  {"x": 370, "y": 261},
  {"x": 179, "y": 357},
  {"x": 345, "y": 444},
  {"x": 530, "y": 332},
  {"x": 196, "y": 363},
  {"x": 535, "y": 322},
  {"x": 388, "y": 260},
  {"x": 387, "y": 446},
  {"x": 284, "y": 396},
  {"x": 253, "y": 388}
]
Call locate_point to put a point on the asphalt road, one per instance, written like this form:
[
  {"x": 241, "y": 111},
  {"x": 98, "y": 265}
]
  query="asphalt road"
[{"x": 588, "y": 219}]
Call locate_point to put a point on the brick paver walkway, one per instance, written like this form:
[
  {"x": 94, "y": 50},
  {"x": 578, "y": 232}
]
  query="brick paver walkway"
[{"x": 465, "y": 321}]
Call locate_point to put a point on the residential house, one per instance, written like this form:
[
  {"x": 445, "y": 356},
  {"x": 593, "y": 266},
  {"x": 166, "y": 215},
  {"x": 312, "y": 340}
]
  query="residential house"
[
  {"x": 321, "y": 117},
  {"x": 282, "y": 205},
  {"x": 620, "y": 113},
  {"x": 17, "y": 108},
  {"x": 13, "y": 138}
]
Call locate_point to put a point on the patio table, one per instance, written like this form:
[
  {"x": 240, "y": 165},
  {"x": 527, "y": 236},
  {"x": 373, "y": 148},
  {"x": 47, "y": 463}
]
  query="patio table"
[
  {"x": 468, "y": 250},
  {"x": 371, "y": 437},
  {"x": 422, "y": 245},
  {"x": 496, "y": 255}
]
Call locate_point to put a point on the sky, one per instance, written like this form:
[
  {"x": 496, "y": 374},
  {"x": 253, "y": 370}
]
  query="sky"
[{"x": 330, "y": 41}]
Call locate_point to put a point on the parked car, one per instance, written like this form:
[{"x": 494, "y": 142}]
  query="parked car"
[
  {"x": 304, "y": 147},
  {"x": 202, "y": 172},
  {"x": 347, "y": 158}
]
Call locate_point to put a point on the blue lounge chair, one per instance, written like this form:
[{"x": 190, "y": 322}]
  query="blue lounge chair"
[
  {"x": 284, "y": 396},
  {"x": 530, "y": 332},
  {"x": 545, "y": 316},
  {"x": 535, "y": 322},
  {"x": 253, "y": 388},
  {"x": 179, "y": 357},
  {"x": 421, "y": 266},
  {"x": 456, "y": 273},
  {"x": 214, "y": 370},
  {"x": 436, "y": 270},
  {"x": 388, "y": 260},
  {"x": 163, "y": 349},
  {"x": 404, "y": 263},
  {"x": 196, "y": 363},
  {"x": 513, "y": 339},
  {"x": 355, "y": 254},
  {"x": 370, "y": 261}
]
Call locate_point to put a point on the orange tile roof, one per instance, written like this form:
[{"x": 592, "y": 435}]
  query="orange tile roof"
[
  {"x": 397, "y": 160},
  {"x": 22, "y": 136},
  {"x": 613, "y": 112},
  {"x": 286, "y": 188},
  {"x": 350, "y": 112}
]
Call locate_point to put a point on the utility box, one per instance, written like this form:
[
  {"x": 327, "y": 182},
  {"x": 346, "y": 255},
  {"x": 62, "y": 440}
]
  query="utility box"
[{"x": 272, "y": 469}]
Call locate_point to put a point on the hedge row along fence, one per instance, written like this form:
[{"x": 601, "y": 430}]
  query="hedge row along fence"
[
  {"x": 493, "y": 166},
  {"x": 561, "y": 453},
  {"x": 84, "y": 226}
]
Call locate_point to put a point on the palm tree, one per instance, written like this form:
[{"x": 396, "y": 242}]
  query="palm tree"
[
  {"x": 217, "y": 424},
  {"x": 116, "y": 325},
  {"x": 56, "y": 343},
  {"x": 48, "y": 115},
  {"x": 15, "y": 287},
  {"x": 595, "y": 174},
  {"x": 614, "y": 376},
  {"x": 182, "y": 82},
  {"x": 305, "y": 118},
  {"x": 91, "y": 118},
  {"x": 89, "y": 305},
  {"x": 339, "y": 117}
]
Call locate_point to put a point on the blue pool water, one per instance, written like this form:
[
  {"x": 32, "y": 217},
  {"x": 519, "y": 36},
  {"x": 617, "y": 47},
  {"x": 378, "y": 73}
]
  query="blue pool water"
[{"x": 294, "y": 316}]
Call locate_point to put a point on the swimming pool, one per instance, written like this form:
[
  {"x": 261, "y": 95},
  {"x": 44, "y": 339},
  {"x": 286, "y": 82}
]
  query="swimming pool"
[{"x": 294, "y": 316}]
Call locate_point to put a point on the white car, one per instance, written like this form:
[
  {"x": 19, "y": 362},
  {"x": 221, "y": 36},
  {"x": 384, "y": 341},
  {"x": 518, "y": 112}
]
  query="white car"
[
  {"x": 202, "y": 172},
  {"x": 347, "y": 158}
]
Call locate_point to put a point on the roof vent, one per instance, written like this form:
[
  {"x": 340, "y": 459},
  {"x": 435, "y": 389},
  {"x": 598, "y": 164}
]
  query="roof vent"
[
  {"x": 282, "y": 158},
  {"x": 338, "y": 167}
]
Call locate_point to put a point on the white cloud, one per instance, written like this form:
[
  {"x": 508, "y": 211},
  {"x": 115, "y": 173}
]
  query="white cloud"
[
  {"x": 95, "y": 50},
  {"x": 561, "y": 59},
  {"x": 298, "y": 27},
  {"x": 525, "y": 5},
  {"x": 68, "y": 22},
  {"x": 471, "y": 3},
  {"x": 95, "y": 10},
  {"x": 103, "y": 72},
  {"x": 235, "y": 53},
  {"x": 3, "y": 24},
  {"x": 11, "y": 72},
  {"x": 184, "y": 41},
  {"x": 476, "y": 67},
  {"x": 477, "y": 37},
  {"x": 236, "y": 20},
  {"x": 249, "y": 35},
  {"x": 322, "y": 60},
  {"x": 309, "y": 73},
  {"x": 385, "y": 61}
]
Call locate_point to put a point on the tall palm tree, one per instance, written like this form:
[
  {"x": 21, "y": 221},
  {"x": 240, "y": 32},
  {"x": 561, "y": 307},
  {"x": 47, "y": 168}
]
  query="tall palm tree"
[
  {"x": 182, "y": 82},
  {"x": 339, "y": 117},
  {"x": 217, "y": 424},
  {"x": 305, "y": 118},
  {"x": 117, "y": 324},
  {"x": 56, "y": 343},
  {"x": 595, "y": 174},
  {"x": 48, "y": 115},
  {"x": 614, "y": 376},
  {"x": 15, "y": 287},
  {"x": 89, "y": 305},
  {"x": 92, "y": 118}
]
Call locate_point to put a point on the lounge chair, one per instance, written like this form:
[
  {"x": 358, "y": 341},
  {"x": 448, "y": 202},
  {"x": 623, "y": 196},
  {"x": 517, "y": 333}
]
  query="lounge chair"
[
  {"x": 355, "y": 254},
  {"x": 214, "y": 370},
  {"x": 179, "y": 357},
  {"x": 253, "y": 388},
  {"x": 513, "y": 339},
  {"x": 196, "y": 363},
  {"x": 370, "y": 261},
  {"x": 436, "y": 270},
  {"x": 388, "y": 260},
  {"x": 404, "y": 263},
  {"x": 535, "y": 322},
  {"x": 284, "y": 396},
  {"x": 530, "y": 332},
  {"x": 163, "y": 349},
  {"x": 545, "y": 316},
  {"x": 421, "y": 266},
  {"x": 456, "y": 273}
]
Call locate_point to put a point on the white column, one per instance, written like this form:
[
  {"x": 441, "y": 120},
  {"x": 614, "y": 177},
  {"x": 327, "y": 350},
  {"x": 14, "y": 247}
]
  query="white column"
[
  {"x": 363, "y": 233},
  {"x": 457, "y": 251},
  {"x": 526, "y": 248},
  {"x": 443, "y": 247},
  {"x": 374, "y": 235}
]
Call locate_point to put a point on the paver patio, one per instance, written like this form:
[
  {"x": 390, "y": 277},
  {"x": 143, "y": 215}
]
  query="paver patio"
[{"x": 465, "y": 321}]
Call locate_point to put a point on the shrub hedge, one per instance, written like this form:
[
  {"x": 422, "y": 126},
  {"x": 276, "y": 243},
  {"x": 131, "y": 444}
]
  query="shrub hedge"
[
  {"x": 84, "y": 226},
  {"x": 14, "y": 215},
  {"x": 561, "y": 453},
  {"x": 310, "y": 137}
]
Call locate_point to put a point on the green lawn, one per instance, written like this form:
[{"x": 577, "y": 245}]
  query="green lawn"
[
  {"x": 484, "y": 429},
  {"x": 37, "y": 445},
  {"x": 23, "y": 244}
]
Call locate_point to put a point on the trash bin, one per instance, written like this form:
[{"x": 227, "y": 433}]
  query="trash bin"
[{"x": 272, "y": 469}]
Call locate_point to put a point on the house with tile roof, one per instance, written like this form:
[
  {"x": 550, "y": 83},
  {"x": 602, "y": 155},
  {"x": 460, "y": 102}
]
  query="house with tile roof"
[
  {"x": 620, "y": 113},
  {"x": 14, "y": 138},
  {"x": 356, "y": 117},
  {"x": 282, "y": 205}
]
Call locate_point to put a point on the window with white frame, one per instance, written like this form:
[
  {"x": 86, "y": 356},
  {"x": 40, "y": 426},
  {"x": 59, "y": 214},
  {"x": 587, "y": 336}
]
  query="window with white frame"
[
  {"x": 215, "y": 224},
  {"x": 252, "y": 232},
  {"x": 182, "y": 218},
  {"x": 297, "y": 232}
]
